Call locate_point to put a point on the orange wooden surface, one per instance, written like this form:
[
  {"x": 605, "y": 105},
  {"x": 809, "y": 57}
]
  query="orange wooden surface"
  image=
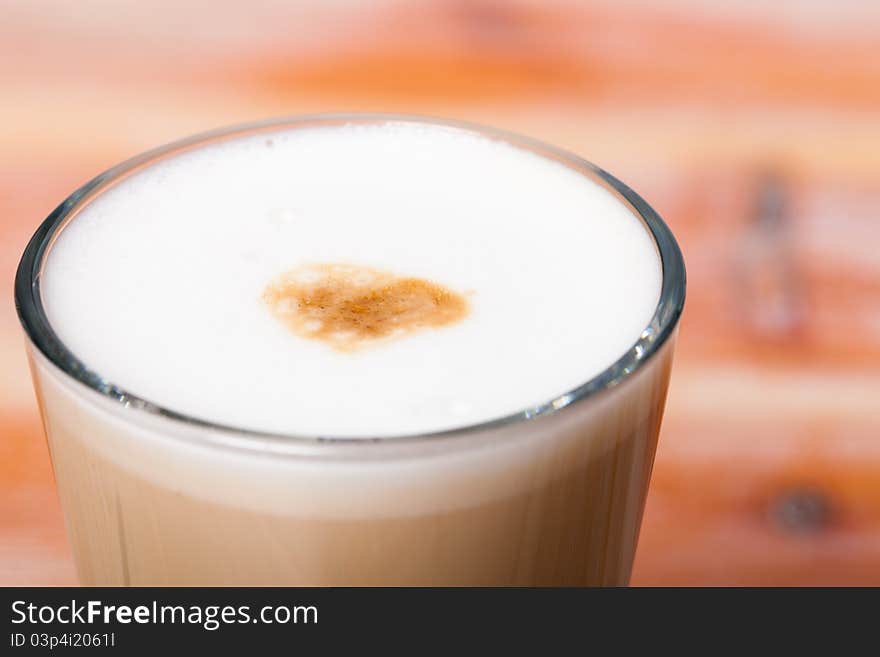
[{"x": 753, "y": 129}]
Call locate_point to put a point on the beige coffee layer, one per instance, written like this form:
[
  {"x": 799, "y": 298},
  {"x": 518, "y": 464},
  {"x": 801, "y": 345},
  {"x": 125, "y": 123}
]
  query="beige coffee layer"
[{"x": 551, "y": 501}]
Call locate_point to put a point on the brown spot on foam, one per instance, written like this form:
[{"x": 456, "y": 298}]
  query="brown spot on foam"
[{"x": 348, "y": 306}]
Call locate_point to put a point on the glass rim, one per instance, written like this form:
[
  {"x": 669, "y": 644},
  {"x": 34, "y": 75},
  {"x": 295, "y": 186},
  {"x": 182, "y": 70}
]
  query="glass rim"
[{"x": 36, "y": 325}]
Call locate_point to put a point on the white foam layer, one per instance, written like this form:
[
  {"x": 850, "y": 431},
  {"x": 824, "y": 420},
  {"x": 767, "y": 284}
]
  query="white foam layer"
[{"x": 157, "y": 284}]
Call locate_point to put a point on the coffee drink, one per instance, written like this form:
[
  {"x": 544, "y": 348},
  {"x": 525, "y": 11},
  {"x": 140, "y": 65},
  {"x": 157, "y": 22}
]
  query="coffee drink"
[{"x": 349, "y": 351}]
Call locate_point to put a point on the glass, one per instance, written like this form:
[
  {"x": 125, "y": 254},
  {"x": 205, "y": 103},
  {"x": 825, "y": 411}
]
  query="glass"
[{"x": 552, "y": 495}]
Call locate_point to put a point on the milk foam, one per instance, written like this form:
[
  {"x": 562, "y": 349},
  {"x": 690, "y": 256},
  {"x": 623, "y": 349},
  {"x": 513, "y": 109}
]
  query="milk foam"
[{"x": 158, "y": 283}]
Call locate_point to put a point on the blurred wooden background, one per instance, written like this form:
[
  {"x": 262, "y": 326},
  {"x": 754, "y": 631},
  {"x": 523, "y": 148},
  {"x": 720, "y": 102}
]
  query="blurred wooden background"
[{"x": 752, "y": 127}]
